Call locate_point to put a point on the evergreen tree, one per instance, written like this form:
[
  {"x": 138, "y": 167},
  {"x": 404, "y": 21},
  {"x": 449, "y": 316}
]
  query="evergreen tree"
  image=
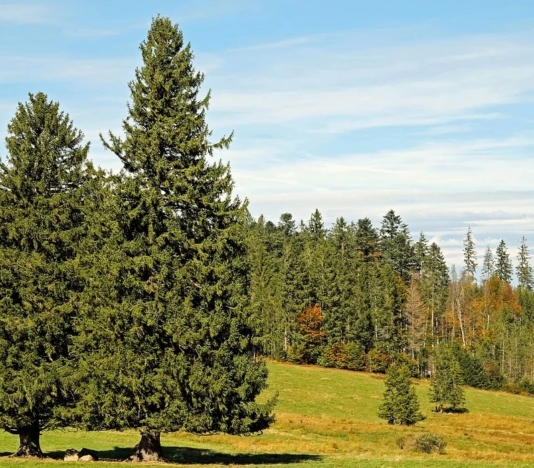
[
  {"x": 488, "y": 267},
  {"x": 265, "y": 291},
  {"x": 314, "y": 235},
  {"x": 503, "y": 264},
  {"x": 396, "y": 245},
  {"x": 445, "y": 385},
  {"x": 470, "y": 254},
  {"x": 339, "y": 311},
  {"x": 41, "y": 221},
  {"x": 367, "y": 241},
  {"x": 179, "y": 354},
  {"x": 400, "y": 405},
  {"x": 525, "y": 277},
  {"x": 434, "y": 286},
  {"x": 421, "y": 251}
]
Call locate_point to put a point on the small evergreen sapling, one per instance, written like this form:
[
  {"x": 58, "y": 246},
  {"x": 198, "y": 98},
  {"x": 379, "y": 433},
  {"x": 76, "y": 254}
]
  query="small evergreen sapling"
[
  {"x": 445, "y": 385},
  {"x": 400, "y": 405}
]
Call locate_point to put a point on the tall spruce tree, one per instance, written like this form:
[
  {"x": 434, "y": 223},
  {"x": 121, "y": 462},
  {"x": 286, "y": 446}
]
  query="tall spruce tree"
[
  {"x": 488, "y": 266},
  {"x": 525, "y": 276},
  {"x": 434, "y": 286},
  {"x": 396, "y": 245},
  {"x": 470, "y": 255},
  {"x": 41, "y": 222},
  {"x": 503, "y": 264},
  {"x": 179, "y": 353},
  {"x": 367, "y": 241}
]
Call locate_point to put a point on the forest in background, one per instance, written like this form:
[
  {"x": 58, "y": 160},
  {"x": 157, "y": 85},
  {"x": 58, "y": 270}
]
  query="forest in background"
[{"x": 358, "y": 297}]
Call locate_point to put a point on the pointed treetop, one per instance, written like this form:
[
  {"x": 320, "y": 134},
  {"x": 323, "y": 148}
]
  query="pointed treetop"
[
  {"x": 525, "y": 276},
  {"x": 470, "y": 254},
  {"x": 503, "y": 264}
]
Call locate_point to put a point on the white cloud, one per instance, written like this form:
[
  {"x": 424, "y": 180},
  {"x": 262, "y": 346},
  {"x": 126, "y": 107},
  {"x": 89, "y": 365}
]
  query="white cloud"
[
  {"x": 345, "y": 86},
  {"x": 39, "y": 69},
  {"x": 26, "y": 13}
]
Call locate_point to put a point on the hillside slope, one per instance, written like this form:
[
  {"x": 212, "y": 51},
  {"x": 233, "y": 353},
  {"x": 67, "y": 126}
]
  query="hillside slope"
[{"x": 327, "y": 418}]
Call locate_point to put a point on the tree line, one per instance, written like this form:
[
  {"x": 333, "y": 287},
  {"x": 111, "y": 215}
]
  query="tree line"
[{"x": 360, "y": 297}]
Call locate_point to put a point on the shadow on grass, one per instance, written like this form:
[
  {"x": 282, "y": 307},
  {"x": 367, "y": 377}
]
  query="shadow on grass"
[
  {"x": 451, "y": 410},
  {"x": 188, "y": 455}
]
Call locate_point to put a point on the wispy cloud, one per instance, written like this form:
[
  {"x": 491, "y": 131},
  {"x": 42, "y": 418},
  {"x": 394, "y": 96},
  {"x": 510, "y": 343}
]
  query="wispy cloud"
[
  {"x": 347, "y": 87},
  {"x": 39, "y": 69},
  {"x": 27, "y": 13}
]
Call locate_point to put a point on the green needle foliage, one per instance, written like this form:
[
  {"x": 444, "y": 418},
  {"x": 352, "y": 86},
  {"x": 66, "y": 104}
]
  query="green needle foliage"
[
  {"x": 400, "y": 405},
  {"x": 445, "y": 385},
  {"x": 41, "y": 221},
  {"x": 172, "y": 346}
]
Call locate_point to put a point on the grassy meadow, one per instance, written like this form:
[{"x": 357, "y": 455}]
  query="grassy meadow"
[{"x": 327, "y": 418}]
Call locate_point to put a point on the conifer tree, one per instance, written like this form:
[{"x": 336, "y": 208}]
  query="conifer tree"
[
  {"x": 445, "y": 385},
  {"x": 339, "y": 310},
  {"x": 400, "y": 405},
  {"x": 470, "y": 254},
  {"x": 41, "y": 221},
  {"x": 179, "y": 354},
  {"x": 421, "y": 250},
  {"x": 265, "y": 291},
  {"x": 488, "y": 266},
  {"x": 434, "y": 285},
  {"x": 367, "y": 242},
  {"x": 396, "y": 245},
  {"x": 525, "y": 276},
  {"x": 503, "y": 264},
  {"x": 315, "y": 258}
]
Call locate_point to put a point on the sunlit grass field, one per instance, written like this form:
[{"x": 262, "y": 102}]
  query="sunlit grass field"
[{"x": 328, "y": 418}]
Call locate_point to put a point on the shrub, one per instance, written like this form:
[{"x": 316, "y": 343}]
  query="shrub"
[
  {"x": 351, "y": 356},
  {"x": 297, "y": 354},
  {"x": 401, "y": 358},
  {"x": 377, "y": 361},
  {"x": 428, "y": 443},
  {"x": 343, "y": 356},
  {"x": 327, "y": 358}
]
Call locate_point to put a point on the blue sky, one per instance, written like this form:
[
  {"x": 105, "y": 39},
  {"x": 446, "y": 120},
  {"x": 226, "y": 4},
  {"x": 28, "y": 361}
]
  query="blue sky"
[{"x": 352, "y": 107}]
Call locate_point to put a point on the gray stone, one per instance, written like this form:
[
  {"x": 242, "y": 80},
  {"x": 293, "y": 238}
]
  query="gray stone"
[{"x": 71, "y": 455}]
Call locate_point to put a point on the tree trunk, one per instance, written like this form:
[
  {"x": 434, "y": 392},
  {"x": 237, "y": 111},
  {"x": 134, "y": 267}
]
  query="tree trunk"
[
  {"x": 149, "y": 448},
  {"x": 29, "y": 442}
]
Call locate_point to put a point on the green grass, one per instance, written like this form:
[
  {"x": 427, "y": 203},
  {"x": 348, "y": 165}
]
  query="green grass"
[{"x": 327, "y": 418}]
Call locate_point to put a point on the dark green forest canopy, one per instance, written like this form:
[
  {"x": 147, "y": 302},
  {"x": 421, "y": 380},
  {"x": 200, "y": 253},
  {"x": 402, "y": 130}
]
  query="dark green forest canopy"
[{"x": 381, "y": 294}]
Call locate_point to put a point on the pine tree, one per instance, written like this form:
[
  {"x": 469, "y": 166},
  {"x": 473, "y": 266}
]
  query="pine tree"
[
  {"x": 488, "y": 266},
  {"x": 179, "y": 354},
  {"x": 338, "y": 271},
  {"x": 470, "y": 254},
  {"x": 525, "y": 276},
  {"x": 396, "y": 245},
  {"x": 503, "y": 264},
  {"x": 445, "y": 385},
  {"x": 41, "y": 221},
  {"x": 314, "y": 235},
  {"x": 400, "y": 405},
  {"x": 266, "y": 302},
  {"x": 367, "y": 241},
  {"x": 434, "y": 286}
]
